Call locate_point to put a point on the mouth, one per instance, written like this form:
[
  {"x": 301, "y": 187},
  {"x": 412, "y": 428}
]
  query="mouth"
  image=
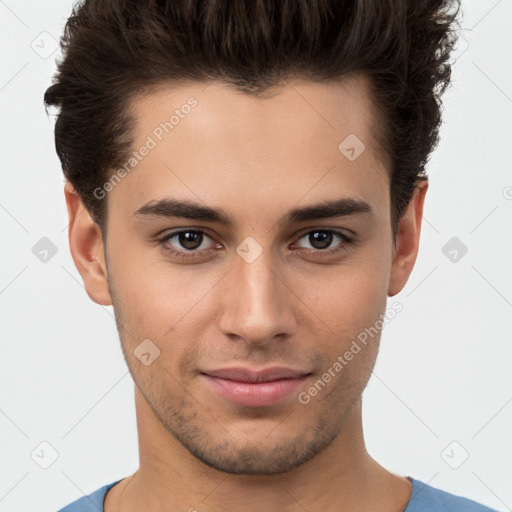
[{"x": 255, "y": 388}]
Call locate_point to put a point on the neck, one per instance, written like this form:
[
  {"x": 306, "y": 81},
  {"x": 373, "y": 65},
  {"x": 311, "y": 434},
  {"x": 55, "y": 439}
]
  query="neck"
[{"x": 341, "y": 477}]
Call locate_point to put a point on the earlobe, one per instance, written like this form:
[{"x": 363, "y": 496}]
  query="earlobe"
[
  {"x": 87, "y": 249},
  {"x": 407, "y": 240}
]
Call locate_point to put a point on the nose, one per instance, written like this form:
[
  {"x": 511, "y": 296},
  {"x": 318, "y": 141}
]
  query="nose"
[{"x": 257, "y": 303}]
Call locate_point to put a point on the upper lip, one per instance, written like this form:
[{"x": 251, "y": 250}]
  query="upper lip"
[{"x": 241, "y": 374}]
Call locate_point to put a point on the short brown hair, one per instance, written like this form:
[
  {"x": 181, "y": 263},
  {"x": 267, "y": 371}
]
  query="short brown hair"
[{"x": 115, "y": 49}]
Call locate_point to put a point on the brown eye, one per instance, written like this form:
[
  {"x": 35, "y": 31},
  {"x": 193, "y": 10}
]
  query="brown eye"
[
  {"x": 322, "y": 240},
  {"x": 187, "y": 243},
  {"x": 190, "y": 239}
]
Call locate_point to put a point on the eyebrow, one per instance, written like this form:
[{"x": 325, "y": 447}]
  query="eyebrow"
[{"x": 174, "y": 208}]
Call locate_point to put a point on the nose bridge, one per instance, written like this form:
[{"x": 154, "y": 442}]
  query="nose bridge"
[{"x": 256, "y": 305}]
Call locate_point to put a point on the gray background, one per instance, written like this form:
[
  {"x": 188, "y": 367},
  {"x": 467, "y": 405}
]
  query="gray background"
[{"x": 442, "y": 387}]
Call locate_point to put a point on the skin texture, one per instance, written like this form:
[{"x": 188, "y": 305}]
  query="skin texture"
[{"x": 255, "y": 158}]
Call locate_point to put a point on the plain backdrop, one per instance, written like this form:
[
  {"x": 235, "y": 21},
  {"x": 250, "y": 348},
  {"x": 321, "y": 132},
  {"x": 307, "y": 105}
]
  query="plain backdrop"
[{"x": 439, "y": 405}]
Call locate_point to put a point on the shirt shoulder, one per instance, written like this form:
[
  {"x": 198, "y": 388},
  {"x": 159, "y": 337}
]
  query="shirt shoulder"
[
  {"x": 425, "y": 498},
  {"x": 91, "y": 503}
]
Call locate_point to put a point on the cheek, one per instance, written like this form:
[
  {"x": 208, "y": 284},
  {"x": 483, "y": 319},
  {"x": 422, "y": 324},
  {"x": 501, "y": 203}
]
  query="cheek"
[
  {"x": 154, "y": 294},
  {"x": 163, "y": 303},
  {"x": 349, "y": 298}
]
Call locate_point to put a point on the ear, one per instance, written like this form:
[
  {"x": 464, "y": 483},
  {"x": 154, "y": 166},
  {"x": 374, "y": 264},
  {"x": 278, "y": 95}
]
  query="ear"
[
  {"x": 407, "y": 239},
  {"x": 87, "y": 248}
]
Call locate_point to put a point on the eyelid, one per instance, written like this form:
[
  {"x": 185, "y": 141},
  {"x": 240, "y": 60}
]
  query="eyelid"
[
  {"x": 171, "y": 234},
  {"x": 343, "y": 245},
  {"x": 183, "y": 254},
  {"x": 297, "y": 235},
  {"x": 346, "y": 240},
  {"x": 344, "y": 231}
]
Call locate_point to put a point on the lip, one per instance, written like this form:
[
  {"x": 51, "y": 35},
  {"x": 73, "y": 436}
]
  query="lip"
[{"x": 255, "y": 388}]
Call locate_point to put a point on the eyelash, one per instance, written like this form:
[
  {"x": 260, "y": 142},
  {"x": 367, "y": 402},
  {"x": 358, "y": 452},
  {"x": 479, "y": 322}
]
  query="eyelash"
[{"x": 346, "y": 241}]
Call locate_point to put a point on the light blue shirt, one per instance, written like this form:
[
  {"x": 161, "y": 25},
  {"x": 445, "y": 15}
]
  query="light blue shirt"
[{"x": 424, "y": 498}]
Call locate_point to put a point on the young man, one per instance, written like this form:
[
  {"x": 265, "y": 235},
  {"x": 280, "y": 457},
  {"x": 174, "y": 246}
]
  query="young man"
[{"x": 245, "y": 185}]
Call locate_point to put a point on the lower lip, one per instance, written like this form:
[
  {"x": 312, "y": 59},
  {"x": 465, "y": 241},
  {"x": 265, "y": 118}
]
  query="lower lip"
[{"x": 254, "y": 394}]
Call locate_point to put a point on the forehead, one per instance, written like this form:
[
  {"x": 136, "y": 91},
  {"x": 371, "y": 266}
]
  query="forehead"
[{"x": 209, "y": 141}]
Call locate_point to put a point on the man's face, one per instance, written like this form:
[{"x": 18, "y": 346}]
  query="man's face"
[{"x": 263, "y": 291}]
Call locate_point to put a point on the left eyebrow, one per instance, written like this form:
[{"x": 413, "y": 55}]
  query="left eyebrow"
[
  {"x": 329, "y": 209},
  {"x": 174, "y": 208}
]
